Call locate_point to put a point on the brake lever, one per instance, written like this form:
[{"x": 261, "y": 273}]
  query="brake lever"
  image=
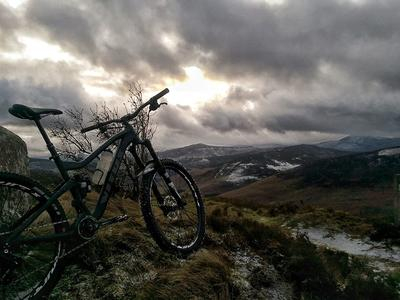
[
  {"x": 154, "y": 105},
  {"x": 103, "y": 129}
]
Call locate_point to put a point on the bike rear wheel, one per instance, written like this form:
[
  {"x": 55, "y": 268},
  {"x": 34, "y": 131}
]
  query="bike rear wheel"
[
  {"x": 176, "y": 229},
  {"x": 28, "y": 271}
]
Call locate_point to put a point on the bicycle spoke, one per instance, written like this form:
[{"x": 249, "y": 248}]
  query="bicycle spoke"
[
  {"x": 18, "y": 207},
  {"x": 35, "y": 261},
  {"x": 180, "y": 225}
]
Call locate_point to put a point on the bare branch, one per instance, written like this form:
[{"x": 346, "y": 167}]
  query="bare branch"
[{"x": 72, "y": 143}]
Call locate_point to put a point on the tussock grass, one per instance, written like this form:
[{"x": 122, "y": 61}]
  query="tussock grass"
[{"x": 205, "y": 275}]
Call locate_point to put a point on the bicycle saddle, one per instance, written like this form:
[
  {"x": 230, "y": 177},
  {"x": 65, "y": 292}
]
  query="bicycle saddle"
[{"x": 31, "y": 113}]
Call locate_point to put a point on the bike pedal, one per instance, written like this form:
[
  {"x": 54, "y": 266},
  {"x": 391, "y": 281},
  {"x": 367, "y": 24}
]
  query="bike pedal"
[{"x": 117, "y": 219}]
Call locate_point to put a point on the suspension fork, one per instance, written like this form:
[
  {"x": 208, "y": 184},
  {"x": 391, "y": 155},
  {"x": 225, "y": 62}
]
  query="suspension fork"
[
  {"x": 142, "y": 166},
  {"x": 163, "y": 173}
]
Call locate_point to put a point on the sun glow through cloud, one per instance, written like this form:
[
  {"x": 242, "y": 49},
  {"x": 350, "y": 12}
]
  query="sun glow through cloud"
[
  {"x": 13, "y": 3},
  {"x": 37, "y": 49},
  {"x": 196, "y": 89}
]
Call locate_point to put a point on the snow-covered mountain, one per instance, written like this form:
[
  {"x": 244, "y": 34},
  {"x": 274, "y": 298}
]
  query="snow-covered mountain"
[
  {"x": 361, "y": 143},
  {"x": 218, "y": 169},
  {"x": 265, "y": 162}
]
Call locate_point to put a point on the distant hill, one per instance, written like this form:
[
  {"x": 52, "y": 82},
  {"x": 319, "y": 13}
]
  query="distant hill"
[
  {"x": 199, "y": 154},
  {"x": 49, "y": 165},
  {"x": 266, "y": 162},
  {"x": 42, "y": 164},
  {"x": 350, "y": 182},
  {"x": 361, "y": 143},
  {"x": 219, "y": 169},
  {"x": 224, "y": 173},
  {"x": 372, "y": 169}
]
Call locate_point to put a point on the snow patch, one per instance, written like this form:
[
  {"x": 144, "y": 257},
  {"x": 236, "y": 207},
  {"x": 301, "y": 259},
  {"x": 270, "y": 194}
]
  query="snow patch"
[
  {"x": 389, "y": 152},
  {"x": 353, "y": 246},
  {"x": 237, "y": 177},
  {"x": 282, "y": 165},
  {"x": 236, "y": 172}
]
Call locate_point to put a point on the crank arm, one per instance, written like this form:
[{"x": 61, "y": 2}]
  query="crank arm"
[{"x": 117, "y": 219}]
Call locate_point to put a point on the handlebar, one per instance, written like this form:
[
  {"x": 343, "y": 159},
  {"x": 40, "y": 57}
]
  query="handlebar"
[
  {"x": 154, "y": 105},
  {"x": 98, "y": 125},
  {"x": 159, "y": 95}
]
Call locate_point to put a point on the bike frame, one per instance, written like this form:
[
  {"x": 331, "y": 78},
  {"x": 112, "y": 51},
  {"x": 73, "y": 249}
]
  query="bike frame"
[{"x": 127, "y": 137}]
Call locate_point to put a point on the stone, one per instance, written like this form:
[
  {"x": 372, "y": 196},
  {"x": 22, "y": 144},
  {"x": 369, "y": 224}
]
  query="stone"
[{"x": 13, "y": 153}]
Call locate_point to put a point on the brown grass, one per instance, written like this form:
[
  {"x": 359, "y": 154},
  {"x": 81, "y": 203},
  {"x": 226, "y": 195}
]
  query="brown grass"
[
  {"x": 206, "y": 274},
  {"x": 275, "y": 190}
]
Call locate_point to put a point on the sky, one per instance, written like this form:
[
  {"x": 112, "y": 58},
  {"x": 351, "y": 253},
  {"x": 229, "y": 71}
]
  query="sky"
[{"x": 239, "y": 71}]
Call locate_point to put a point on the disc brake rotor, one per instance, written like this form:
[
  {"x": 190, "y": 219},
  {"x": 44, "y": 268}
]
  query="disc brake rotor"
[{"x": 171, "y": 208}]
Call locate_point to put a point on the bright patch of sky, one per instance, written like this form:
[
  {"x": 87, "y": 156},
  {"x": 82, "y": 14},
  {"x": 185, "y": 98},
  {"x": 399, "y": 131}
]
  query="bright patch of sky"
[
  {"x": 37, "y": 49},
  {"x": 13, "y": 3},
  {"x": 97, "y": 83},
  {"x": 196, "y": 89}
]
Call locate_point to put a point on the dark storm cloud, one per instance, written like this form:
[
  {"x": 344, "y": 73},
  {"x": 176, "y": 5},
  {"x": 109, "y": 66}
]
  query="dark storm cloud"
[
  {"x": 27, "y": 92},
  {"x": 40, "y": 84},
  {"x": 309, "y": 119},
  {"x": 65, "y": 22},
  {"x": 118, "y": 35},
  {"x": 303, "y": 66},
  {"x": 228, "y": 113},
  {"x": 347, "y": 111},
  {"x": 336, "y": 120},
  {"x": 178, "y": 119},
  {"x": 292, "y": 40},
  {"x": 230, "y": 37}
]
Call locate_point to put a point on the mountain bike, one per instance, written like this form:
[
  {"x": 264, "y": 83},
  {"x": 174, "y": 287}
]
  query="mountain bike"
[{"x": 34, "y": 229}]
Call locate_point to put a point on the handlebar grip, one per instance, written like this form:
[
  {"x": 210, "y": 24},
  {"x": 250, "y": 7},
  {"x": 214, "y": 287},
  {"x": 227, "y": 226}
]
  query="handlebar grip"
[
  {"x": 83, "y": 130},
  {"x": 160, "y": 94}
]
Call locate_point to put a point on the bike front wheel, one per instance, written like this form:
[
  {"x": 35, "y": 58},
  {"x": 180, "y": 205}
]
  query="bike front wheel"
[{"x": 176, "y": 227}]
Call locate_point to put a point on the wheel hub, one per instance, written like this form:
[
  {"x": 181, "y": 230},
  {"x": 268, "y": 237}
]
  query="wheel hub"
[{"x": 171, "y": 208}]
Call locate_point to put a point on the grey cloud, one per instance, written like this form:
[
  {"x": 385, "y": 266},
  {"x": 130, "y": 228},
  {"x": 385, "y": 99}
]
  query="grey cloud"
[
  {"x": 294, "y": 39},
  {"x": 38, "y": 94},
  {"x": 65, "y": 22},
  {"x": 230, "y": 114},
  {"x": 225, "y": 118},
  {"x": 353, "y": 110},
  {"x": 239, "y": 95},
  {"x": 334, "y": 64},
  {"x": 179, "y": 119},
  {"x": 230, "y": 38},
  {"x": 118, "y": 35},
  {"x": 40, "y": 84},
  {"x": 323, "y": 119},
  {"x": 8, "y": 25}
]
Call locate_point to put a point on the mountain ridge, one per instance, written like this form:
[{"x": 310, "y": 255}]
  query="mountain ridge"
[{"x": 361, "y": 143}]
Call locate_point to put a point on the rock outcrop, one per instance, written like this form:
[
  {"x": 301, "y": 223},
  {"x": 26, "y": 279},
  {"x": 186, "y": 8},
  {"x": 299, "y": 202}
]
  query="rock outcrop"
[{"x": 13, "y": 153}]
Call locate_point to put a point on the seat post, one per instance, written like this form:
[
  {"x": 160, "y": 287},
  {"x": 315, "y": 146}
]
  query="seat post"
[{"x": 52, "y": 149}]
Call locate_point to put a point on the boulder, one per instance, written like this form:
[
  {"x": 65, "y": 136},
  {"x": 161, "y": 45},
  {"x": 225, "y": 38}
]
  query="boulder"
[{"x": 13, "y": 153}]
